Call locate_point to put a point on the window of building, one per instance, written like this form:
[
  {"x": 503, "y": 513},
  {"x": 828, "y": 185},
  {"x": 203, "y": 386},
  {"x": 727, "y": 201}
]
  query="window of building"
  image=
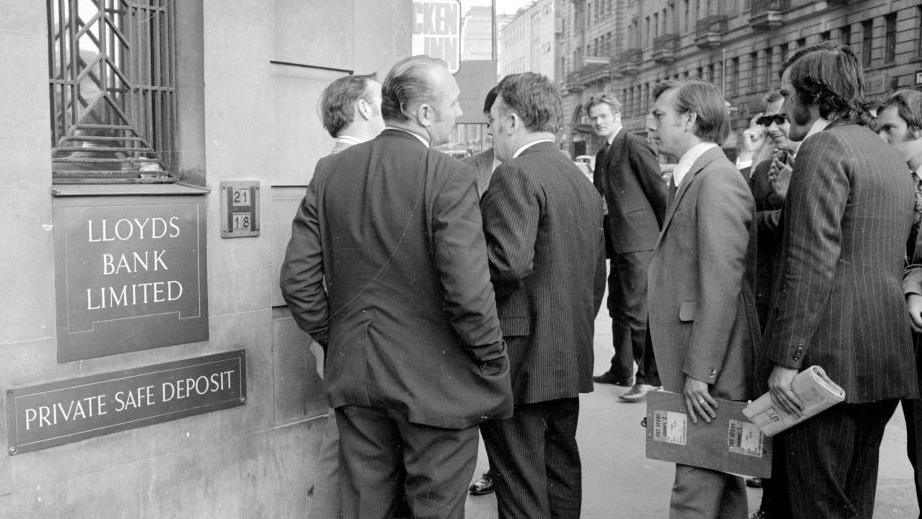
[
  {"x": 845, "y": 34},
  {"x": 112, "y": 90},
  {"x": 824, "y": 36},
  {"x": 867, "y": 30},
  {"x": 782, "y": 52},
  {"x": 685, "y": 17},
  {"x": 646, "y": 39},
  {"x": 753, "y": 71},
  {"x": 769, "y": 66},
  {"x": 919, "y": 32},
  {"x": 733, "y": 76},
  {"x": 801, "y": 43},
  {"x": 655, "y": 25},
  {"x": 890, "y": 44}
]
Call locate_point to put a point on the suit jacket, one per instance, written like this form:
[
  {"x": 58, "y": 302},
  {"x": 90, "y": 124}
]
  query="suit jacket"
[
  {"x": 700, "y": 296},
  {"x": 543, "y": 222},
  {"x": 387, "y": 258},
  {"x": 629, "y": 179},
  {"x": 837, "y": 300},
  {"x": 768, "y": 211},
  {"x": 483, "y": 164}
]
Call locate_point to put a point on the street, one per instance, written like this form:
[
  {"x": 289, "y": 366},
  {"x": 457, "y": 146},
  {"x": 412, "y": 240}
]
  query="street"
[{"x": 619, "y": 481}]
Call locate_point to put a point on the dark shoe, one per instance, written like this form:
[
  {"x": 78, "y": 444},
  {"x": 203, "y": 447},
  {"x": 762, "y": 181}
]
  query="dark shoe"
[
  {"x": 754, "y": 482},
  {"x": 758, "y": 514},
  {"x": 482, "y": 486},
  {"x": 639, "y": 392},
  {"x": 609, "y": 378}
]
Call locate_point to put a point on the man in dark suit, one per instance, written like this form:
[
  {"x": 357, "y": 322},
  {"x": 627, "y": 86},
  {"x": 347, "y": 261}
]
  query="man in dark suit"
[
  {"x": 627, "y": 175},
  {"x": 899, "y": 121},
  {"x": 485, "y": 161},
  {"x": 350, "y": 107},
  {"x": 387, "y": 269},
  {"x": 837, "y": 301},
  {"x": 703, "y": 323},
  {"x": 543, "y": 222}
]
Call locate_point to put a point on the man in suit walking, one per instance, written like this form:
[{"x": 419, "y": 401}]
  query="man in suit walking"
[
  {"x": 627, "y": 175},
  {"x": 703, "y": 323},
  {"x": 899, "y": 120},
  {"x": 387, "y": 269},
  {"x": 350, "y": 108},
  {"x": 543, "y": 222},
  {"x": 837, "y": 301}
]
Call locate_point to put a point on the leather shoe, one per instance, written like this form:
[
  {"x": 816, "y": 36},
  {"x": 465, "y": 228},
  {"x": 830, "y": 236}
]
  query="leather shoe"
[
  {"x": 754, "y": 482},
  {"x": 482, "y": 486},
  {"x": 609, "y": 378},
  {"x": 639, "y": 392}
]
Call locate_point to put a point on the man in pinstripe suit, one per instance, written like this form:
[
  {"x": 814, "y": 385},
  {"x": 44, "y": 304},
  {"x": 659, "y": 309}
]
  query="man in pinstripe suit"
[
  {"x": 837, "y": 300},
  {"x": 543, "y": 223}
]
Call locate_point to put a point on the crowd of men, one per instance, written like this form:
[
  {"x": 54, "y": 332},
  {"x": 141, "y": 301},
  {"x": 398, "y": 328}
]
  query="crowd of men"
[{"x": 458, "y": 299}]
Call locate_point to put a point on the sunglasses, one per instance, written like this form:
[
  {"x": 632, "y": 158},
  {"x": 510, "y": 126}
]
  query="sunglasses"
[{"x": 767, "y": 120}]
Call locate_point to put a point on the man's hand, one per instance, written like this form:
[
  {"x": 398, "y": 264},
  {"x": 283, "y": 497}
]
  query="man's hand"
[
  {"x": 914, "y": 307},
  {"x": 781, "y": 140},
  {"x": 779, "y": 176},
  {"x": 698, "y": 401},
  {"x": 779, "y": 385}
]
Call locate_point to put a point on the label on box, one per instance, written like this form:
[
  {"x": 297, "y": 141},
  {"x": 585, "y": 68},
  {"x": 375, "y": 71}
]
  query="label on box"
[
  {"x": 744, "y": 438},
  {"x": 670, "y": 427}
]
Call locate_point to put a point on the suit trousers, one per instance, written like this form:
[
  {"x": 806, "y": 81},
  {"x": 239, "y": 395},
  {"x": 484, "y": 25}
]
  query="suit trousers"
[
  {"x": 380, "y": 450},
  {"x": 627, "y": 306},
  {"x": 699, "y": 493},
  {"x": 832, "y": 461},
  {"x": 912, "y": 412},
  {"x": 536, "y": 461},
  {"x": 326, "y": 493}
]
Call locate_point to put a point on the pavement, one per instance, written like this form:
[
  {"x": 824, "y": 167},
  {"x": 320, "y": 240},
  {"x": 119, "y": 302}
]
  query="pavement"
[{"x": 619, "y": 481}]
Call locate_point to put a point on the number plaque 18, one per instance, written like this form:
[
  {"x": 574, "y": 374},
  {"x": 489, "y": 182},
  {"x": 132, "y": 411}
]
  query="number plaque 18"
[{"x": 239, "y": 208}]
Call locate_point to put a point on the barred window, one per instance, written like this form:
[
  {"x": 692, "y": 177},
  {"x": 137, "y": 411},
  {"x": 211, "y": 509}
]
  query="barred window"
[{"x": 112, "y": 90}]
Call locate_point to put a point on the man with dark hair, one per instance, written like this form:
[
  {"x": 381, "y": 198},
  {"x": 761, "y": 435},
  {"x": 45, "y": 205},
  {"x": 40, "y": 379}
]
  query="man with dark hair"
[
  {"x": 485, "y": 161},
  {"x": 351, "y": 110},
  {"x": 543, "y": 222},
  {"x": 702, "y": 325},
  {"x": 837, "y": 301},
  {"x": 899, "y": 120},
  {"x": 627, "y": 175},
  {"x": 387, "y": 269}
]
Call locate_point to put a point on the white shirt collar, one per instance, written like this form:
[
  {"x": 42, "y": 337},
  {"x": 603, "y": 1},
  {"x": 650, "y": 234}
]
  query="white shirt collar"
[
  {"x": 348, "y": 139},
  {"x": 414, "y": 134},
  {"x": 919, "y": 171},
  {"x": 688, "y": 160},
  {"x": 529, "y": 145},
  {"x": 818, "y": 126}
]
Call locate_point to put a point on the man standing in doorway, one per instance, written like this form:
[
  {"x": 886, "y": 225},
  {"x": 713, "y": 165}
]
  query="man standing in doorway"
[
  {"x": 703, "y": 323},
  {"x": 543, "y": 223},
  {"x": 627, "y": 175},
  {"x": 387, "y": 269}
]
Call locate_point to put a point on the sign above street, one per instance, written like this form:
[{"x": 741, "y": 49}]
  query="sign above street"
[{"x": 437, "y": 30}]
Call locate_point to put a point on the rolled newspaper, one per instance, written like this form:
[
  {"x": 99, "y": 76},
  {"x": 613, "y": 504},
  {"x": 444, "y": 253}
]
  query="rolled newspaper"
[{"x": 816, "y": 391}]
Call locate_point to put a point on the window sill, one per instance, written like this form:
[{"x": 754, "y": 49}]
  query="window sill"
[{"x": 63, "y": 190}]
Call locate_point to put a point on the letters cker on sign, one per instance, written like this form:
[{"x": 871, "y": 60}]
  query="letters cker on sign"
[{"x": 437, "y": 30}]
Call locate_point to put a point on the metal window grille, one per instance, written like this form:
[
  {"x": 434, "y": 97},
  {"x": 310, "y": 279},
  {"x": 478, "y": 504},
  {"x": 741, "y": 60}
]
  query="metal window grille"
[{"x": 112, "y": 88}]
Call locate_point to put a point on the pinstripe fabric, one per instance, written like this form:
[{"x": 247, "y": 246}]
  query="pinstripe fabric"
[
  {"x": 536, "y": 460},
  {"x": 836, "y": 479},
  {"x": 543, "y": 224},
  {"x": 700, "y": 296},
  {"x": 837, "y": 300}
]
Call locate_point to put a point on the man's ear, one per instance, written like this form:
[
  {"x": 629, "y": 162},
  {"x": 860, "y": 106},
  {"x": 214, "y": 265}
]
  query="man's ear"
[
  {"x": 425, "y": 115},
  {"x": 692, "y": 118},
  {"x": 364, "y": 109}
]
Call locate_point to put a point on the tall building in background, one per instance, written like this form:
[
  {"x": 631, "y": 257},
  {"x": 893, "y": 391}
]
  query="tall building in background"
[
  {"x": 625, "y": 47},
  {"x": 477, "y": 34},
  {"x": 527, "y": 41}
]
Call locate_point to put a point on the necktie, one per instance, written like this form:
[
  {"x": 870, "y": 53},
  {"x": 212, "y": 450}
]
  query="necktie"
[
  {"x": 672, "y": 191},
  {"x": 917, "y": 214},
  {"x": 605, "y": 149}
]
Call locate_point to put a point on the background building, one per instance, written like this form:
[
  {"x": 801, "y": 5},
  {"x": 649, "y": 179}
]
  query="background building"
[
  {"x": 528, "y": 40},
  {"x": 737, "y": 44}
]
